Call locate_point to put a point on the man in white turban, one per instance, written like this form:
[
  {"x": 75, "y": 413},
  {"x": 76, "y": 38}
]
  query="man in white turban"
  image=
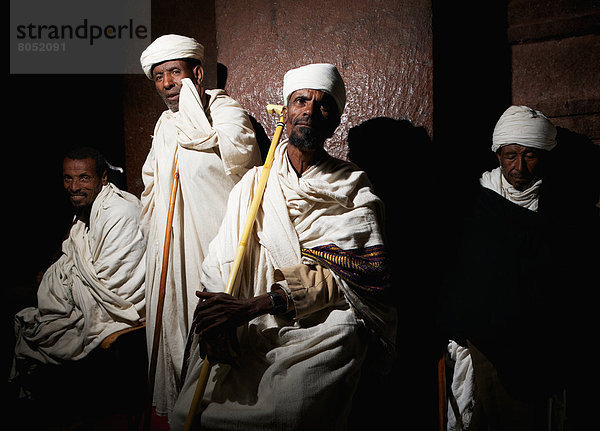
[
  {"x": 521, "y": 138},
  {"x": 96, "y": 287},
  {"x": 207, "y": 137},
  {"x": 288, "y": 346},
  {"x": 501, "y": 302}
]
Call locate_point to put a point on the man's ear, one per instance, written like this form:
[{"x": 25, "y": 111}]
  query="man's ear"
[
  {"x": 284, "y": 114},
  {"x": 104, "y": 178},
  {"x": 198, "y": 74}
]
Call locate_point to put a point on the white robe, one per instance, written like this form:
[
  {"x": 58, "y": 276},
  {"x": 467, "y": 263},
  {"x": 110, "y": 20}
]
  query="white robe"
[
  {"x": 294, "y": 374},
  {"x": 215, "y": 146},
  {"x": 94, "y": 289}
]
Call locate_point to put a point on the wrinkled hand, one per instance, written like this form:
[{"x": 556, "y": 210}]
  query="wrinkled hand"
[
  {"x": 220, "y": 347},
  {"x": 216, "y": 319},
  {"x": 220, "y": 311}
]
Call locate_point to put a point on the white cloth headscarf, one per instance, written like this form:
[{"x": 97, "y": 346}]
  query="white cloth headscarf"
[
  {"x": 170, "y": 47},
  {"x": 524, "y": 126},
  {"x": 318, "y": 76}
]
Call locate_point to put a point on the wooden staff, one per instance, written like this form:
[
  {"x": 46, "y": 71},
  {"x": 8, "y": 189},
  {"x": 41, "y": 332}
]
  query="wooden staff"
[
  {"x": 239, "y": 254},
  {"x": 161, "y": 296}
]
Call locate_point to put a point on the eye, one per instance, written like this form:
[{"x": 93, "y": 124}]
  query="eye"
[{"x": 299, "y": 100}]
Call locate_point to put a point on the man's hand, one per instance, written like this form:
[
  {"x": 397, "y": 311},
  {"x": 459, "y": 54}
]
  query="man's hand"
[
  {"x": 220, "y": 311},
  {"x": 216, "y": 318}
]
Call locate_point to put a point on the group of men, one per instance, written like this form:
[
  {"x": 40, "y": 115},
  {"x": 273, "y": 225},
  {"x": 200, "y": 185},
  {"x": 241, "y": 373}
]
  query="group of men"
[{"x": 313, "y": 290}]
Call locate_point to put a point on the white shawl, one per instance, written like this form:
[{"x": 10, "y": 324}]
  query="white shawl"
[
  {"x": 494, "y": 180},
  {"x": 215, "y": 146},
  {"x": 94, "y": 289},
  {"x": 293, "y": 374}
]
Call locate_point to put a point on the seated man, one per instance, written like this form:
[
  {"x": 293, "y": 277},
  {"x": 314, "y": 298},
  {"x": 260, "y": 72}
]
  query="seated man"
[
  {"x": 501, "y": 301},
  {"x": 96, "y": 287},
  {"x": 312, "y": 287}
]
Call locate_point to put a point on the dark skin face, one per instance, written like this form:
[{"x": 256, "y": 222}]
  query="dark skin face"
[
  {"x": 82, "y": 183},
  {"x": 167, "y": 78},
  {"x": 521, "y": 165},
  {"x": 311, "y": 118}
]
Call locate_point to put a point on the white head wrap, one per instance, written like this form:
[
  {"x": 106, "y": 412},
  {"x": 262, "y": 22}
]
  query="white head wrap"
[
  {"x": 524, "y": 126},
  {"x": 170, "y": 47},
  {"x": 319, "y": 76}
]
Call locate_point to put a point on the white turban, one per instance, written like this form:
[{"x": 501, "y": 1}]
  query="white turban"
[
  {"x": 170, "y": 47},
  {"x": 319, "y": 76},
  {"x": 524, "y": 126}
]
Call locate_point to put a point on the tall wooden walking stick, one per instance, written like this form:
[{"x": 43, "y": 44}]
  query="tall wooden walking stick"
[
  {"x": 161, "y": 297},
  {"x": 239, "y": 254}
]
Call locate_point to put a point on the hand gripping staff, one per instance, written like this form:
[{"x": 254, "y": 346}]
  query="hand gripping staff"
[
  {"x": 161, "y": 297},
  {"x": 239, "y": 254}
]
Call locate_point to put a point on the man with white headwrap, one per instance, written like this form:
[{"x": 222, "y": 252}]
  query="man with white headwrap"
[
  {"x": 96, "y": 287},
  {"x": 207, "y": 137},
  {"x": 500, "y": 303},
  {"x": 288, "y": 346},
  {"x": 521, "y": 137}
]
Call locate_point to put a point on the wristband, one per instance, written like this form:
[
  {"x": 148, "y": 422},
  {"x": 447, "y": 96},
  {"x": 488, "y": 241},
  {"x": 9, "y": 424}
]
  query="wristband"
[{"x": 279, "y": 303}]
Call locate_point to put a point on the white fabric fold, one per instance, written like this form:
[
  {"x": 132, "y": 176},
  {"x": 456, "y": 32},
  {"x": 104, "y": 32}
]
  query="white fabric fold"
[
  {"x": 318, "y": 76},
  {"x": 524, "y": 126},
  {"x": 94, "y": 289},
  {"x": 288, "y": 367},
  {"x": 462, "y": 386},
  {"x": 494, "y": 180},
  {"x": 170, "y": 47},
  {"x": 214, "y": 145}
]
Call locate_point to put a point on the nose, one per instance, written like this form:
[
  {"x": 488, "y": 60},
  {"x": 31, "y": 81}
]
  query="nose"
[
  {"x": 73, "y": 185},
  {"x": 168, "y": 80},
  {"x": 520, "y": 163},
  {"x": 309, "y": 107}
]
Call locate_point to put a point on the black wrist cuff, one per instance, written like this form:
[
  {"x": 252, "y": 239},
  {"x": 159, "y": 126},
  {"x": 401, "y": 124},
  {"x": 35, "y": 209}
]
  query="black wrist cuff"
[{"x": 278, "y": 301}]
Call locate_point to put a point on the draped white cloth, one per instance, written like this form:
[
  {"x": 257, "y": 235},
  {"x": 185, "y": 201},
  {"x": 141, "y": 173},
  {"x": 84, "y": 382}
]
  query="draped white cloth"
[
  {"x": 215, "y": 145},
  {"x": 294, "y": 374},
  {"x": 462, "y": 385},
  {"x": 528, "y": 198},
  {"x": 94, "y": 289}
]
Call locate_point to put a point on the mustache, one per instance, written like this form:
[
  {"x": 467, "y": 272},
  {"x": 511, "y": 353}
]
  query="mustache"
[{"x": 304, "y": 122}]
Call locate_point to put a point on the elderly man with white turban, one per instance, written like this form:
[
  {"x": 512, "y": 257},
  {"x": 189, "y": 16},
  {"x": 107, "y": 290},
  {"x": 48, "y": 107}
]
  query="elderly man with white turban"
[
  {"x": 206, "y": 137},
  {"x": 287, "y": 348},
  {"x": 500, "y": 303},
  {"x": 521, "y": 137}
]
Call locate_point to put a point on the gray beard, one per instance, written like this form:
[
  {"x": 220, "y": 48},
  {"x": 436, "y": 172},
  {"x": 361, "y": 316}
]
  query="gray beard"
[{"x": 305, "y": 139}]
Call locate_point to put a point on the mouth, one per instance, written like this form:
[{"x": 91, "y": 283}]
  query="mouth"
[{"x": 172, "y": 96}]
